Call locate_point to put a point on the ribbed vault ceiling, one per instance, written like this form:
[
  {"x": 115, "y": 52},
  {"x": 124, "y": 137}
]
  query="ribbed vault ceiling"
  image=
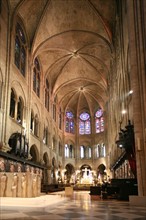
[{"x": 73, "y": 41}]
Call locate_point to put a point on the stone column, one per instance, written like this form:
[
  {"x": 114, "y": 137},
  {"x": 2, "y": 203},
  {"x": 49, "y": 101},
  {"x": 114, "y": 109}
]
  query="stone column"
[
  {"x": 49, "y": 174},
  {"x": 136, "y": 23}
]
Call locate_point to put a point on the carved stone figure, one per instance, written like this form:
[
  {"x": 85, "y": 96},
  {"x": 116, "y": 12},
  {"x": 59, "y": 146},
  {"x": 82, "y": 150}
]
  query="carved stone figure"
[
  {"x": 3, "y": 184},
  {"x": 14, "y": 185},
  {"x": 23, "y": 185}
]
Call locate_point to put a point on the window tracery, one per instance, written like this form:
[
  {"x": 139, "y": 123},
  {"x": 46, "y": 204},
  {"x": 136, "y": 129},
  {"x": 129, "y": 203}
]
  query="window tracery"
[
  {"x": 100, "y": 150},
  {"x": 20, "y": 49},
  {"x": 36, "y": 77},
  {"x": 99, "y": 121},
  {"x": 84, "y": 123},
  {"x": 47, "y": 97},
  {"x": 69, "y": 122}
]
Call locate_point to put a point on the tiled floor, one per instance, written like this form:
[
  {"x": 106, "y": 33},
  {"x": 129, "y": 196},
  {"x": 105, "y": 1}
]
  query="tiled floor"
[{"x": 78, "y": 207}]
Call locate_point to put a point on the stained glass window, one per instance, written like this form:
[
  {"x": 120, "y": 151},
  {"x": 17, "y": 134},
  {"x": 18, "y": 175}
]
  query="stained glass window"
[
  {"x": 20, "y": 49},
  {"x": 47, "y": 97},
  {"x": 84, "y": 124},
  {"x": 36, "y": 77},
  {"x": 69, "y": 124},
  {"x": 23, "y": 58},
  {"x": 99, "y": 121},
  {"x": 84, "y": 116}
]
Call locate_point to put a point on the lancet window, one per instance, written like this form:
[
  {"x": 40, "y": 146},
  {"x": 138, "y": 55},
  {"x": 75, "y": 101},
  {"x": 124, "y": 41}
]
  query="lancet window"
[
  {"x": 20, "y": 49},
  {"x": 84, "y": 124},
  {"x": 69, "y": 122},
  {"x": 36, "y": 77},
  {"x": 99, "y": 121}
]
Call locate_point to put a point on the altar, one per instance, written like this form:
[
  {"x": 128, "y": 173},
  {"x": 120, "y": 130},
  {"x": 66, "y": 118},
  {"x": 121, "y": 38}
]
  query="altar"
[{"x": 87, "y": 177}]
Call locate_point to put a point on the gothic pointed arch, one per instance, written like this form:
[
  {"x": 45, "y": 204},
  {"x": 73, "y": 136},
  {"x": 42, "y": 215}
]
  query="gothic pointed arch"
[
  {"x": 34, "y": 153},
  {"x": 20, "y": 49}
]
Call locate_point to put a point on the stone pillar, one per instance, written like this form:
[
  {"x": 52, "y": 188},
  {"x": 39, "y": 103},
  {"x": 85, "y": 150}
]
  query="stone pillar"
[
  {"x": 49, "y": 174},
  {"x": 136, "y": 23}
]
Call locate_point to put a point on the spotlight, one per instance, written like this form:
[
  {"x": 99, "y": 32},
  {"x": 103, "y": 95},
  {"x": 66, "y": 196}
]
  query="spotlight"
[
  {"x": 130, "y": 92},
  {"x": 124, "y": 111}
]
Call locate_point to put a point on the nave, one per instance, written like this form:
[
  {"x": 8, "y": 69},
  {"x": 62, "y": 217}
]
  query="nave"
[{"x": 57, "y": 206}]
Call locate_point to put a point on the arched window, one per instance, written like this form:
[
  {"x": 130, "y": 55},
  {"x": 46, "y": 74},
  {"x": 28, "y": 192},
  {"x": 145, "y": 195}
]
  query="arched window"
[
  {"x": 60, "y": 119},
  {"x": 69, "y": 151},
  {"x": 47, "y": 95},
  {"x": 36, "y": 126},
  {"x": 54, "y": 143},
  {"x": 66, "y": 151},
  {"x": 12, "y": 104},
  {"x": 82, "y": 152},
  {"x": 60, "y": 149},
  {"x": 85, "y": 152},
  {"x": 100, "y": 150},
  {"x": 36, "y": 77},
  {"x": 45, "y": 136},
  {"x": 54, "y": 108},
  {"x": 32, "y": 121},
  {"x": 89, "y": 152},
  {"x": 69, "y": 122},
  {"x": 20, "y": 49},
  {"x": 16, "y": 107},
  {"x": 99, "y": 121},
  {"x": 20, "y": 107},
  {"x": 84, "y": 123}
]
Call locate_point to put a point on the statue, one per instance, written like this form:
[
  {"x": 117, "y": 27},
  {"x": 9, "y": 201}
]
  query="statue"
[
  {"x": 23, "y": 185},
  {"x": 2, "y": 165},
  {"x": 12, "y": 167},
  {"x": 34, "y": 185},
  {"x": 3, "y": 184},
  {"x": 19, "y": 168},
  {"x": 14, "y": 185}
]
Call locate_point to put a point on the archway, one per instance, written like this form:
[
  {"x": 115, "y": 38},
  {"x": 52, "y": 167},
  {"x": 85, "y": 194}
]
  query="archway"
[
  {"x": 46, "y": 164},
  {"x": 34, "y": 154},
  {"x": 101, "y": 173},
  {"x": 18, "y": 145},
  {"x": 53, "y": 171},
  {"x": 86, "y": 174},
  {"x": 70, "y": 171}
]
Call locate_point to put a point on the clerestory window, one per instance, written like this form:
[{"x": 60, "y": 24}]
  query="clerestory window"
[
  {"x": 84, "y": 124},
  {"x": 69, "y": 122},
  {"x": 20, "y": 49}
]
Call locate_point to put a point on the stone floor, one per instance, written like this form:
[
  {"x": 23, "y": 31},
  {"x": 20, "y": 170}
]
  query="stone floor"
[{"x": 58, "y": 206}]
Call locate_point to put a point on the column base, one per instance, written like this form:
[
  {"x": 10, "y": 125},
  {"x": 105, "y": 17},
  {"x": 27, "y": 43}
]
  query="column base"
[{"x": 137, "y": 200}]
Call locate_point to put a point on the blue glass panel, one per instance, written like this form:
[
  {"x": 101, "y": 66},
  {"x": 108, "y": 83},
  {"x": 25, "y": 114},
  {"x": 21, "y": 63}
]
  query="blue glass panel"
[
  {"x": 36, "y": 63},
  {"x": 23, "y": 58},
  {"x": 17, "y": 52},
  {"x": 20, "y": 33},
  {"x": 99, "y": 113},
  {"x": 69, "y": 114},
  {"x": 87, "y": 127},
  {"x": 81, "y": 127},
  {"x": 84, "y": 116}
]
